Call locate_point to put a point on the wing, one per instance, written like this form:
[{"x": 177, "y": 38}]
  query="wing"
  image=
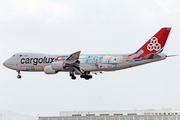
[
  {"x": 73, "y": 62},
  {"x": 73, "y": 58}
]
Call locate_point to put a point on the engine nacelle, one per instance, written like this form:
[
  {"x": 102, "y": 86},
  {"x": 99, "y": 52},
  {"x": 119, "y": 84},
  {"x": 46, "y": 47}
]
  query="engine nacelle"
[
  {"x": 58, "y": 65},
  {"x": 49, "y": 70}
]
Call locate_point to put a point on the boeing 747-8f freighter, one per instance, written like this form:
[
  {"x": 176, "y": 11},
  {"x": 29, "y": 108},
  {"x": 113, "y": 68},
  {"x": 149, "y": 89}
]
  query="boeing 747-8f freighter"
[{"x": 84, "y": 65}]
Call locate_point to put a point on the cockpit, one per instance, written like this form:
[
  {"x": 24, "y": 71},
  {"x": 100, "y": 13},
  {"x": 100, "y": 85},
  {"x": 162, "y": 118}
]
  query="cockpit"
[{"x": 18, "y": 55}]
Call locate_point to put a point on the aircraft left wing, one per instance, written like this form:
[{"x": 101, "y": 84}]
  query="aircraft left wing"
[
  {"x": 73, "y": 58},
  {"x": 73, "y": 62}
]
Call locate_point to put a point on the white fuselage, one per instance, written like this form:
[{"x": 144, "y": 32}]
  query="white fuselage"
[
  {"x": 83, "y": 65},
  {"x": 99, "y": 62}
]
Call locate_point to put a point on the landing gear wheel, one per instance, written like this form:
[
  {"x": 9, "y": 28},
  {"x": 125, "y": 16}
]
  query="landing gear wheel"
[
  {"x": 90, "y": 76},
  {"x": 19, "y": 76},
  {"x": 73, "y": 77},
  {"x": 81, "y": 76},
  {"x": 71, "y": 74},
  {"x": 86, "y": 76}
]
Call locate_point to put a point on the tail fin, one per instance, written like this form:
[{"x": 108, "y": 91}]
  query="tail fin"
[{"x": 154, "y": 45}]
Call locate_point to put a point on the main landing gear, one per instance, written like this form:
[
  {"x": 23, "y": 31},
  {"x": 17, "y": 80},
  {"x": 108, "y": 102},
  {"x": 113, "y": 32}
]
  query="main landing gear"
[
  {"x": 85, "y": 75},
  {"x": 71, "y": 74},
  {"x": 19, "y": 76}
]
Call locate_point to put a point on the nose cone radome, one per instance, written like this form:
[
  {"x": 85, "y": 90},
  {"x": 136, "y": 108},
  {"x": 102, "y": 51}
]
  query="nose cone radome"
[
  {"x": 11, "y": 64},
  {"x": 5, "y": 63}
]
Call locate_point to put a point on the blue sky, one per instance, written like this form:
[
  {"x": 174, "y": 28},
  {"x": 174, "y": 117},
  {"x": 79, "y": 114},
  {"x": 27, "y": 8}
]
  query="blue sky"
[{"x": 96, "y": 26}]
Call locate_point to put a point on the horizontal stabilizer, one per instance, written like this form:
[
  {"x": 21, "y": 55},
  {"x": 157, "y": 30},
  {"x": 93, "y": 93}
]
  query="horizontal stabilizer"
[
  {"x": 171, "y": 55},
  {"x": 152, "y": 56}
]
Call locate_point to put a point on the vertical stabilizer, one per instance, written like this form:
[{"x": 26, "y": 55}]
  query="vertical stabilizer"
[{"x": 154, "y": 45}]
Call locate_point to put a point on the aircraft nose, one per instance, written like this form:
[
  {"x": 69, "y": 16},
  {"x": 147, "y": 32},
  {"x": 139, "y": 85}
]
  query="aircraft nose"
[
  {"x": 6, "y": 63},
  {"x": 11, "y": 64}
]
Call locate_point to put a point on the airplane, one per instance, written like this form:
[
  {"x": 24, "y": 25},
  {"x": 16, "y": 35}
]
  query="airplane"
[{"x": 84, "y": 65}]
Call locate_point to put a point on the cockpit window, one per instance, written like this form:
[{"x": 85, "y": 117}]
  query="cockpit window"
[
  {"x": 13, "y": 55},
  {"x": 20, "y": 55}
]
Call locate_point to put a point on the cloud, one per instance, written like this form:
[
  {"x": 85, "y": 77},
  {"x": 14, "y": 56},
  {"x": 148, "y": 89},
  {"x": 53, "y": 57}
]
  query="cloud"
[
  {"x": 3, "y": 17},
  {"x": 169, "y": 9},
  {"x": 169, "y": 6},
  {"x": 60, "y": 12},
  {"x": 45, "y": 10},
  {"x": 148, "y": 15}
]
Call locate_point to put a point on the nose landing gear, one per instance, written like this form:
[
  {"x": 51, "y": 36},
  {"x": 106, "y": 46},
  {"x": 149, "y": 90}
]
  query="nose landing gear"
[{"x": 19, "y": 76}]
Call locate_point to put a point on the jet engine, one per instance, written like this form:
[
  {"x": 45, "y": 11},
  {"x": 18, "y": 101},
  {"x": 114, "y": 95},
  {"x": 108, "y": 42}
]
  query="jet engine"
[
  {"x": 49, "y": 70},
  {"x": 58, "y": 65}
]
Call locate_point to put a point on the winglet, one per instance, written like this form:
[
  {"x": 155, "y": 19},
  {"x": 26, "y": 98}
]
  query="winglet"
[{"x": 154, "y": 45}]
